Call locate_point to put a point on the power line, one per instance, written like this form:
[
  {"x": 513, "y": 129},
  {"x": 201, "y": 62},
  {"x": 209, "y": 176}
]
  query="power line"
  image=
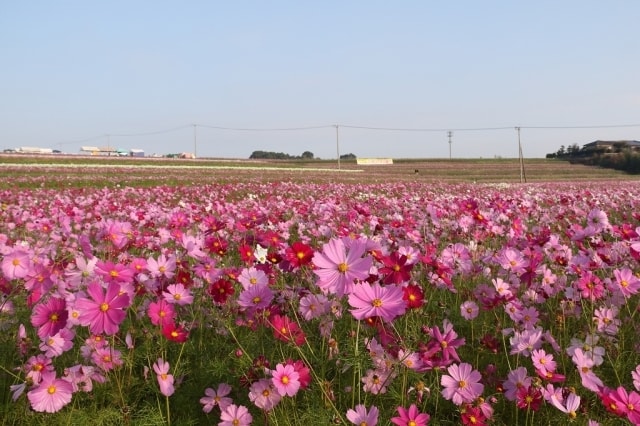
[{"x": 271, "y": 129}]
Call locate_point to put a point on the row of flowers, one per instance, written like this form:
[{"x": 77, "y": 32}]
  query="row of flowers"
[{"x": 382, "y": 286}]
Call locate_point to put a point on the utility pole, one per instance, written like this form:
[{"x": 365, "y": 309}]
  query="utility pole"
[
  {"x": 195, "y": 142},
  {"x": 521, "y": 158},
  {"x": 449, "y": 133},
  {"x": 338, "y": 145}
]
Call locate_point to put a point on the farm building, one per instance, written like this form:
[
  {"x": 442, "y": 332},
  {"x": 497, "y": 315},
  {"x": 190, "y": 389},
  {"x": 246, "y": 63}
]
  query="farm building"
[
  {"x": 34, "y": 150},
  {"x": 136, "y": 153},
  {"x": 610, "y": 145}
]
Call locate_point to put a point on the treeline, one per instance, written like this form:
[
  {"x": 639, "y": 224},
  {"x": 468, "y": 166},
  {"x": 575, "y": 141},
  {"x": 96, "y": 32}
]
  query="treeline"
[
  {"x": 619, "y": 157},
  {"x": 307, "y": 155}
]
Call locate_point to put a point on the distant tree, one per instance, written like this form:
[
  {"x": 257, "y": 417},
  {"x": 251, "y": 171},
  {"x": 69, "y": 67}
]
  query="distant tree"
[
  {"x": 307, "y": 155},
  {"x": 348, "y": 156}
]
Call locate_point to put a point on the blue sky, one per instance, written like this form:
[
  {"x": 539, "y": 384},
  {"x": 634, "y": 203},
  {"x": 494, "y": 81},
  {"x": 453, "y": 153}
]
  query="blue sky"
[{"x": 145, "y": 72}]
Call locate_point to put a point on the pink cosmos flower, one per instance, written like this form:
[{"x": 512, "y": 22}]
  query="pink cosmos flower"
[
  {"x": 51, "y": 394},
  {"x": 50, "y": 317},
  {"x": 161, "y": 312},
  {"x": 103, "y": 312},
  {"x": 469, "y": 310},
  {"x": 252, "y": 276},
  {"x": 178, "y": 294},
  {"x": 627, "y": 282},
  {"x": 360, "y": 416},
  {"x": 216, "y": 397},
  {"x": 337, "y": 268},
  {"x": 584, "y": 365},
  {"x": 376, "y": 381},
  {"x": 635, "y": 375},
  {"x": 16, "y": 264},
  {"x": 255, "y": 298},
  {"x": 57, "y": 344},
  {"x": 163, "y": 267},
  {"x": 165, "y": 380},
  {"x": 37, "y": 366},
  {"x": 285, "y": 379},
  {"x": 113, "y": 272},
  {"x": 543, "y": 361},
  {"x": 234, "y": 415},
  {"x": 313, "y": 306},
  {"x": 374, "y": 300},
  {"x": 410, "y": 417},
  {"x": 516, "y": 379},
  {"x": 462, "y": 384},
  {"x": 264, "y": 395}
]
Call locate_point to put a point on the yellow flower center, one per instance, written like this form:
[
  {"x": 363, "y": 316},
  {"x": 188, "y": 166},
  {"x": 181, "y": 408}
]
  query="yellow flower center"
[
  {"x": 104, "y": 307},
  {"x": 256, "y": 300},
  {"x": 15, "y": 262},
  {"x": 53, "y": 317},
  {"x": 285, "y": 379},
  {"x": 376, "y": 303},
  {"x": 51, "y": 390},
  {"x": 462, "y": 384},
  {"x": 343, "y": 267}
]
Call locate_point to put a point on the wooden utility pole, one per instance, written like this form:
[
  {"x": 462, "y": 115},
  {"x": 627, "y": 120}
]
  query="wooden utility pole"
[
  {"x": 449, "y": 133},
  {"x": 521, "y": 158}
]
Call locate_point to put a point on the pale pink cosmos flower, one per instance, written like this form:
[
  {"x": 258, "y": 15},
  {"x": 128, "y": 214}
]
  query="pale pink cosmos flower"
[
  {"x": 16, "y": 264},
  {"x": 588, "y": 377},
  {"x": 252, "y": 276},
  {"x": 285, "y": 379},
  {"x": 313, "y": 306},
  {"x": 569, "y": 406},
  {"x": 627, "y": 282},
  {"x": 51, "y": 394},
  {"x": 338, "y": 267},
  {"x": 57, "y": 344},
  {"x": 606, "y": 320},
  {"x": 216, "y": 397},
  {"x": 369, "y": 301},
  {"x": 103, "y": 312},
  {"x": 635, "y": 375},
  {"x": 360, "y": 416},
  {"x": 264, "y": 395},
  {"x": 178, "y": 294},
  {"x": 235, "y": 415},
  {"x": 165, "y": 380},
  {"x": 255, "y": 298},
  {"x": 543, "y": 361},
  {"x": 516, "y": 379},
  {"x": 462, "y": 384},
  {"x": 589, "y": 348},
  {"x": 376, "y": 381},
  {"x": 162, "y": 267},
  {"x": 469, "y": 310}
]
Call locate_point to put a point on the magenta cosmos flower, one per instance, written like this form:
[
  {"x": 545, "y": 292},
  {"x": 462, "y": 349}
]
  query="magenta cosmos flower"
[
  {"x": 103, "y": 312},
  {"x": 462, "y": 384},
  {"x": 337, "y": 268},
  {"x": 376, "y": 301},
  {"x": 50, "y": 316},
  {"x": 410, "y": 417},
  {"x": 51, "y": 394}
]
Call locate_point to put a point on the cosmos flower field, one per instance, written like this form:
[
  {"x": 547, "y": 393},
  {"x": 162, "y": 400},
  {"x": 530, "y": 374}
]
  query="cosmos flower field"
[{"x": 319, "y": 302}]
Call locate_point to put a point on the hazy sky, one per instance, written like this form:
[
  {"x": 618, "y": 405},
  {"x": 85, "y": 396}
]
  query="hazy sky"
[{"x": 73, "y": 72}]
